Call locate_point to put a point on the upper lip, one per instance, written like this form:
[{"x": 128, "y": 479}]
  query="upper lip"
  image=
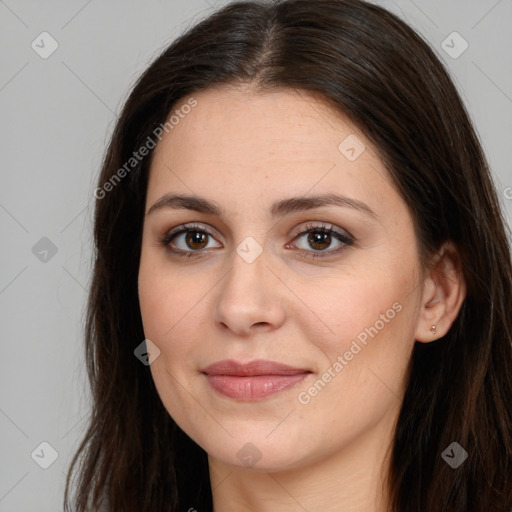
[{"x": 251, "y": 368}]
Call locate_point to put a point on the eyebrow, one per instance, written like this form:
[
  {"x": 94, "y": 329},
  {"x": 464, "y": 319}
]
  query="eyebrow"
[{"x": 278, "y": 209}]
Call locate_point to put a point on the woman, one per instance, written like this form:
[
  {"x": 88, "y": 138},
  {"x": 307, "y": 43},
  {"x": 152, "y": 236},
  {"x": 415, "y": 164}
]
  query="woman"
[{"x": 302, "y": 291}]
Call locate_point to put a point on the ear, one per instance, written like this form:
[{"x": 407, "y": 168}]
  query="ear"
[{"x": 444, "y": 291}]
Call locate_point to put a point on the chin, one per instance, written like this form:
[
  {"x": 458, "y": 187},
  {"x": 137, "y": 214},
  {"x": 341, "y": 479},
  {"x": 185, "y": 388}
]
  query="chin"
[{"x": 252, "y": 447}]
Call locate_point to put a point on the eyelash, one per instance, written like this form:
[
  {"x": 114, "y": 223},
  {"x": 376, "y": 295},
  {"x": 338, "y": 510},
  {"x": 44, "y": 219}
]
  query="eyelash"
[{"x": 345, "y": 238}]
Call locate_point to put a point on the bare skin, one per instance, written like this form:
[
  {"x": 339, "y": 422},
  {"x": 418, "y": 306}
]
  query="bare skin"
[{"x": 297, "y": 449}]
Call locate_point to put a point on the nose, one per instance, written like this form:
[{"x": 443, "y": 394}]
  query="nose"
[{"x": 250, "y": 298}]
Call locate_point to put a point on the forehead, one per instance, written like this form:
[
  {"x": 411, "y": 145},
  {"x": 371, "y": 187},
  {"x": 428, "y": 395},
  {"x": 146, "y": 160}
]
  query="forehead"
[
  {"x": 230, "y": 121},
  {"x": 275, "y": 143}
]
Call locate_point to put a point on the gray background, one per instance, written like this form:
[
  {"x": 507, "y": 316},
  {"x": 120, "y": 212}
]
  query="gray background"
[{"x": 56, "y": 117}]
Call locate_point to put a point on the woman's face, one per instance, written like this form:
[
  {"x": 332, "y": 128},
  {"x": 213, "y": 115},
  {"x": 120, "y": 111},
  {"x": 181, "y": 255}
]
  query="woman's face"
[{"x": 311, "y": 330}]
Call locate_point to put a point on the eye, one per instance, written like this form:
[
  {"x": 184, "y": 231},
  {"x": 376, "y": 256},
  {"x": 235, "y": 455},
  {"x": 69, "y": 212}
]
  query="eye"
[
  {"x": 184, "y": 240},
  {"x": 320, "y": 238},
  {"x": 190, "y": 240}
]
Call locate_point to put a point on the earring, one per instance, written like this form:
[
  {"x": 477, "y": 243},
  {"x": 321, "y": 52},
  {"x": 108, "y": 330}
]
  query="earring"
[{"x": 433, "y": 329}]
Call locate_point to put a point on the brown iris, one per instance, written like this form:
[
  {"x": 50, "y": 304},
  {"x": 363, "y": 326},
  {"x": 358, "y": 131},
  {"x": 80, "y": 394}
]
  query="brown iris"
[
  {"x": 316, "y": 238},
  {"x": 196, "y": 237}
]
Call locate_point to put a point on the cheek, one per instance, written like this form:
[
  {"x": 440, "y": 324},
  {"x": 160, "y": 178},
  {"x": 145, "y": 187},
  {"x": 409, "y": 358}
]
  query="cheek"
[
  {"x": 366, "y": 338},
  {"x": 167, "y": 299},
  {"x": 169, "y": 310},
  {"x": 358, "y": 307},
  {"x": 361, "y": 379}
]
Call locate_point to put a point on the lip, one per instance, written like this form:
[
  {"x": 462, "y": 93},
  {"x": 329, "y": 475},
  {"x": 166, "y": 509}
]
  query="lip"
[{"x": 254, "y": 380}]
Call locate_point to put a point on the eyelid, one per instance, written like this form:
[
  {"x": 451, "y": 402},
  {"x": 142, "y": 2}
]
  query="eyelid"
[
  {"x": 320, "y": 226},
  {"x": 188, "y": 226}
]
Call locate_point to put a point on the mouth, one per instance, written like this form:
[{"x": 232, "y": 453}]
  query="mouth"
[{"x": 254, "y": 380}]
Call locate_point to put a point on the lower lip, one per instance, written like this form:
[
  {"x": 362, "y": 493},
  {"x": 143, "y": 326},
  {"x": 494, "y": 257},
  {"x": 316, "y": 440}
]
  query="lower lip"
[{"x": 253, "y": 388}]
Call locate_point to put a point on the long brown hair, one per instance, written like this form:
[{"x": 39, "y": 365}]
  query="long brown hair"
[{"x": 372, "y": 67}]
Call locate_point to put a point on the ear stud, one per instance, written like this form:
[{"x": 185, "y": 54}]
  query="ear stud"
[{"x": 433, "y": 329}]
